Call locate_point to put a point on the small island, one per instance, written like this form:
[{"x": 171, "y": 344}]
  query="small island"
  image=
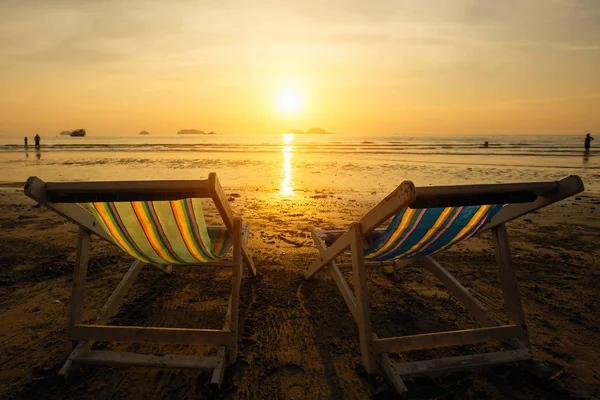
[
  {"x": 311, "y": 131},
  {"x": 144, "y": 133},
  {"x": 194, "y": 132}
]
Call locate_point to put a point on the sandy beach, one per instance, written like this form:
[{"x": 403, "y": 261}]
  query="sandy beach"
[
  {"x": 310, "y": 113},
  {"x": 299, "y": 340}
]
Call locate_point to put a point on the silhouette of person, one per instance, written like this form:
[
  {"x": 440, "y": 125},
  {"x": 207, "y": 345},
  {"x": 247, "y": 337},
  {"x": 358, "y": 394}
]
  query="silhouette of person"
[
  {"x": 486, "y": 144},
  {"x": 36, "y": 138},
  {"x": 588, "y": 142},
  {"x": 25, "y": 141}
]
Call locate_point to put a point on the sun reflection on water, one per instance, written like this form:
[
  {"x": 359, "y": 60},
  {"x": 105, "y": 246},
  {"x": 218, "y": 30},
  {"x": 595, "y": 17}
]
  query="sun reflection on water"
[{"x": 287, "y": 187}]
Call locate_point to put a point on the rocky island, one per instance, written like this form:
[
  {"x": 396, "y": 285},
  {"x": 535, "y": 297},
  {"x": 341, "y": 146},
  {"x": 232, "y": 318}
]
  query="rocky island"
[
  {"x": 194, "y": 132},
  {"x": 313, "y": 131},
  {"x": 144, "y": 133}
]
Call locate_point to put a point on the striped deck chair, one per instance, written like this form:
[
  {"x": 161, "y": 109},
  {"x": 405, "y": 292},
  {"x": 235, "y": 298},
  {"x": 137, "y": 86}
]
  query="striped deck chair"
[
  {"x": 159, "y": 223},
  {"x": 426, "y": 220}
]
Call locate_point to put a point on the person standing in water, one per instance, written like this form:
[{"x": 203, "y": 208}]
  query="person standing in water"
[
  {"x": 36, "y": 138},
  {"x": 25, "y": 141},
  {"x": 588, "y": 142}
]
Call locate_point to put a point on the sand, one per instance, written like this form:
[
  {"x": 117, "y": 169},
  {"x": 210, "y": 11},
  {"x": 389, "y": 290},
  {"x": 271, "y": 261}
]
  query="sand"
[{"x": 299, "y": 340}]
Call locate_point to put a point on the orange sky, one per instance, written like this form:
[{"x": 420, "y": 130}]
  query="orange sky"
[{"x": 430, "y": 67}]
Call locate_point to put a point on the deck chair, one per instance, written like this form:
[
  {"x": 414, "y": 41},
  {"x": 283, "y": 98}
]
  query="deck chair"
[
  {"x": 426, "y": 220},
  {"x": 159, "y": 223}
]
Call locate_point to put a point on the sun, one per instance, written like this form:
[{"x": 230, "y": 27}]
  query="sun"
[{"x": 289, "y": 100}]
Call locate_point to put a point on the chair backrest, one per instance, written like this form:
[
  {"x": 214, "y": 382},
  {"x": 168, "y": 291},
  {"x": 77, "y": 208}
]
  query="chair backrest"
[
  {"x": 160, "y": 222},
  {"x": 439, "y": 217}
]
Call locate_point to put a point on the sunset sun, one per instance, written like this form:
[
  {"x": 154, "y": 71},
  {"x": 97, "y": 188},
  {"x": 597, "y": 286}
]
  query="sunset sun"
[{"x": 289, "y": 100}]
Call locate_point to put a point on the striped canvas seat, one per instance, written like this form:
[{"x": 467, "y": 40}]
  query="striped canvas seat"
[
  {"x": 421, "y": 232},
  {"x": 162, "y": 232}
]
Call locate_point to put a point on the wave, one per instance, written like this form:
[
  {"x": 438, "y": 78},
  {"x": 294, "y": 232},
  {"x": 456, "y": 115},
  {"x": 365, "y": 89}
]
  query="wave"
[{"x": 437, "y": 149}]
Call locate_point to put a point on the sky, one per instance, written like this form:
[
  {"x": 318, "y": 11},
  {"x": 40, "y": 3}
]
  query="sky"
[{"x": 380, "y": 67}]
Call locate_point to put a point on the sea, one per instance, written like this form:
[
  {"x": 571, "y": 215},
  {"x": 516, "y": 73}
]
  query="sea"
[{"x": 298, "y": 164}]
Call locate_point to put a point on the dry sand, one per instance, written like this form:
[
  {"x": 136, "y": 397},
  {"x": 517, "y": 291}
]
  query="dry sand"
[{"x": 299, "y": 340}]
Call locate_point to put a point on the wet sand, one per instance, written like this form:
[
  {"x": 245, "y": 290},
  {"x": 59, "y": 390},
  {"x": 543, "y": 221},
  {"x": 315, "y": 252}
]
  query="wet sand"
[{"x": 298, "y": 338}]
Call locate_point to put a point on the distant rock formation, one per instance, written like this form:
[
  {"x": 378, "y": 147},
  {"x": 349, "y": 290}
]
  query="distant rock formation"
[
  {"x": 194, "y": 132},
  {"x": 144, "y": 133},
  {"x": 311, "y": 131},
  {"x": 65, "y": 133}
]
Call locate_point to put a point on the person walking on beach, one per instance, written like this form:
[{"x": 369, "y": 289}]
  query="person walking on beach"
[
  {"x": 25, "y": 141},
  {"x": 36, "y": 138},
  {"x": 588, "y": 142}
]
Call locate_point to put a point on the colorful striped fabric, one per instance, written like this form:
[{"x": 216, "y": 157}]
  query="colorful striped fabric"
[
  {"x": 162, "y": 232},
  {"x": 420, "y": 232}
]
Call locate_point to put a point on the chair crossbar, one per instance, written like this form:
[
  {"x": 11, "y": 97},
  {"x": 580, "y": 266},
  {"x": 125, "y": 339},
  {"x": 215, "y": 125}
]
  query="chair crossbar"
[
  {"x": 145, "y": 334},
  {"x": 447, "y": 339},
  {"x": 451, "y": 364},
  {"x": 118, "y": 358}
]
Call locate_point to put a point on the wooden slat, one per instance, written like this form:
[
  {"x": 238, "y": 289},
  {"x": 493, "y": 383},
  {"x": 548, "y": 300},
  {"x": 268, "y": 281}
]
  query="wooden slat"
[
  {"x": 400, "y": 198},
  {"x": 329, "y": 255},
  {"x": 394, "y": 202},
  {"x": 466, "y": 195},
  {"x": 512, "y": 300},
  {"x": 114, "y": 301},
  {"x": 369, "y": 264},
  {"x": 164, "y": 268},
  {"x": 86, "y": 192},
  {"x": 386, "y": 364},
  {"x": 459, "y": 291},
  {"x": 35, "y": 189},
  {"x": 117, "y": 358},
  {"x": 398, "y": 264},
  {"x": 79, "y": 276},
  {"x": 337, "y": 276},
  {"x": 158, "y": 335},
  {"x": 236, "y": 281},
  {"x": 361, "y": 294},
  {"x": 447, "y": 339},
  {"x": 568, "y": 186},
  {"x": 538, "y": 188},
  {"x": 451, "y": 364},
  {"x": 220, "y": 199},
  {"x": 219, "y": 372}
]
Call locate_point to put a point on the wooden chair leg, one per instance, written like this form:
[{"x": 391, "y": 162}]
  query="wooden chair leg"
[
  {"x": 362, "y": 300},
  {"x": 512, "y": 300},
  {"x": 236, "y": 281},
  {"x": 79, "y": 277}
]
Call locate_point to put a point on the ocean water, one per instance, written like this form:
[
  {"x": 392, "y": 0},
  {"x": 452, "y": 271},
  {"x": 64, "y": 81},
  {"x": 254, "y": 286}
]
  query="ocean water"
[{"x": 288, "y": 165}]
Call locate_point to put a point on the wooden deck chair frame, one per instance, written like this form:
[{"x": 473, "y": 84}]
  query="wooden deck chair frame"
[
  {"x": 61, "y": 198},
  {"x": 374, "y": 349}
]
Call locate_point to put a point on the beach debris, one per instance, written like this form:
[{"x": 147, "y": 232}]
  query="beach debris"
[
  {"x": 231, "y": 198},
  {"x": 234, "y": 195},
  {"x": 283, "y": 238},
  {"x": 527, "y": 220}
]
